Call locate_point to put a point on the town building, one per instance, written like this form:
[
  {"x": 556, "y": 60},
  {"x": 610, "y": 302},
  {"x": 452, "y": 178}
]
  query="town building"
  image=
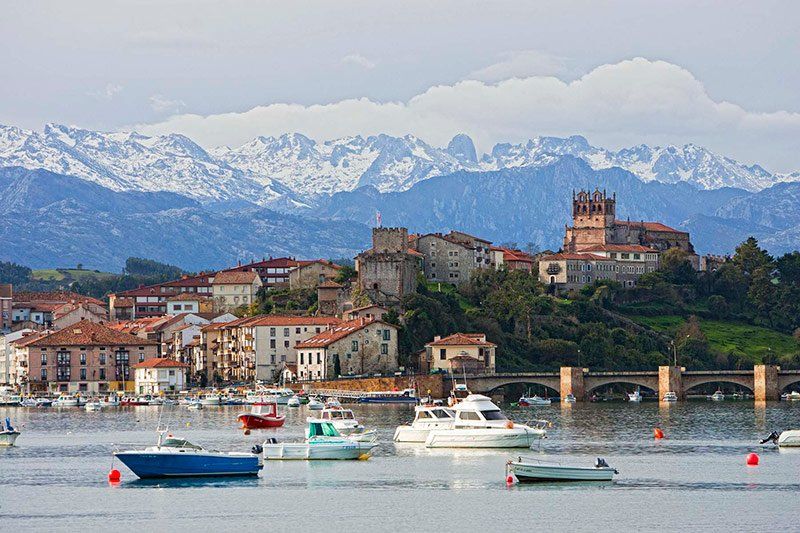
[
  {"x": 460, "y": 353},
  {"x": 311, "y": 274},
  {"x": 512, "y": 259},
  {"x": 452, "y": 258},
  {"x": 331, "y": 298},
  {"x": 86, "y": 357},
  {"x": 356, "y": 347},
  {"x": 6, "y": 306},
  {"x": 187, "y": 302},
  {"x": 594, "y": 223},
  {"x": 233, "y": 289},
  {"x": 151, "y": 300},
  {"x": 41, "y": 308},
  {"x": 571, "y": 271},
  {"x": 72, "y": 313},
  {"x": 7, "y": 354},
  {"x": 159, "y": 376},
  {"x": 274, "y": 272},
  {"x": 370, "y": 312},
  {"x": 631, "y": 261},
  {"x": 388, "y": 271}
]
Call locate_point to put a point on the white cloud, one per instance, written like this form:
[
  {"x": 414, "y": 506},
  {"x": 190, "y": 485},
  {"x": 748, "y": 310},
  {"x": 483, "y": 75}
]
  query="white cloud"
[
  {"x": 630, "y": 102},
  {"x": 521, "y": 64},
  {"x": 106, "y": 93},
  {"x": 161, "y": 104},
  {"x": 358, "y": 60}
]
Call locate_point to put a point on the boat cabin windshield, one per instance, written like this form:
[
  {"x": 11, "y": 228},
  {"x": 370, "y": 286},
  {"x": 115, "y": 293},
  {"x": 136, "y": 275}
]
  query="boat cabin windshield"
[
  {"x": 171, "y": 442},
  {"x": 338, "y": 415},
  {"x": 435, "y": 413},
  {"x": 494, "y": 414}
]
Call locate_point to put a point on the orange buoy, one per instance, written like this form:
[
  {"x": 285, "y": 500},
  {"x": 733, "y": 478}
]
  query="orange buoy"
[
  {"x": 752, "y": 459},
  {"x": 657, "y": 433},
  {"x": 114, "y": 476},
  {"x": 509, "y": 425}
]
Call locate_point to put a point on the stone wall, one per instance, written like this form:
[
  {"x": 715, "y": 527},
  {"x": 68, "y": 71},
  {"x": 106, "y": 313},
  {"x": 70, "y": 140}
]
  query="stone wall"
[{"x": 423, "y": 383}]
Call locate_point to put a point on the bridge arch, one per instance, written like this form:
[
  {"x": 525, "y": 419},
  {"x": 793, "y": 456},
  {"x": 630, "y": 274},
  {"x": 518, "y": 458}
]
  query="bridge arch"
[
  {"x": 784, "y": 382},
  {"x": 743, "y": 381},
  {"x": 593, "y": 384},
  {"x": 552, "y": 388}
]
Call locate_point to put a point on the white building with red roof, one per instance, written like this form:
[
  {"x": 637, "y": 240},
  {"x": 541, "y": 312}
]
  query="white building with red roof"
[
  {"x": 460, "y": 353},
  {"x": 159, "y": 376}
]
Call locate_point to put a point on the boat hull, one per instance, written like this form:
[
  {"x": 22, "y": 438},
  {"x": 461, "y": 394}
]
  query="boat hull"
[
  {"x": 789, "y": 439},
  {"x": 483, "y": 438},
  {"x": 7, "y": 438},
  {"x": 251, "y": 421},
  {"x": 328, "y": 451},
  {"x": 151, "y": 465},
  {"x": 388, "y": 399},
  {"x": 533, "y": 473}
]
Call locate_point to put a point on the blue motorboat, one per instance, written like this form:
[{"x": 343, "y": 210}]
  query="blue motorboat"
[{"x": 176, "y": 457}]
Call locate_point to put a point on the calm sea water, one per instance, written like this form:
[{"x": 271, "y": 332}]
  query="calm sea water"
[{"x": 694, "y": 480}]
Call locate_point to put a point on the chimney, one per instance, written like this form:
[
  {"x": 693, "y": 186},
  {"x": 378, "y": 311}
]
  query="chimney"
[{"x": 437, "y": 338}]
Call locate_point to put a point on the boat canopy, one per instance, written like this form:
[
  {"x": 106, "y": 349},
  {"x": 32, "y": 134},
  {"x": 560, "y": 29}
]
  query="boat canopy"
[{"x": 322, "y": 429}]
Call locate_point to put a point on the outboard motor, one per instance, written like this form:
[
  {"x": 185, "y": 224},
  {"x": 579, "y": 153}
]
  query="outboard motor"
[
  {"x": 773, "y": 438},
  {"x": 272, "y": 440},
  {"x": 600, "y": 463},
  {"x": 257, "y": 450}
]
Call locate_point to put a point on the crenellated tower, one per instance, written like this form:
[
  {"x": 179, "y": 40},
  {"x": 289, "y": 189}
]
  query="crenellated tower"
[{"x": 593, "y": 215}]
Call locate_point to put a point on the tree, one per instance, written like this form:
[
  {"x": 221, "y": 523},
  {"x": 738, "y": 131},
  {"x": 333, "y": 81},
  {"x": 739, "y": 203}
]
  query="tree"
[
  {"x": 14, "y": 273},
  {"x": 675, "y": 265},
  {"x": 718, "y": 306},
  {"x": 136, "y": 266},
  {"x": 749, "y": 256},
  {"x": 346, "y": 274},
  {"x": 797, "y": 334},
  {"x": 79, "y": 266}
]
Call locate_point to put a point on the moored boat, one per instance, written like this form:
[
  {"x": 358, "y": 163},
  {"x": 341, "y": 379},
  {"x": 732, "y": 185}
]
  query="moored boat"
[
  {"x": 8, "y": 435},
  {"x": 314, "y": 404},
  {"x": 530, "y": 401},
  {"x": 211, "y": 399},
  {"x": 786, "y": 439},
  {"x": 67, "y": 400},
  {"x": 294, "y": 401},
  {"x": 717, "y": 396},
  {"x": 9, "y": 397},
  {"x": 793, "y": 396},
  {"x": 426, "y": 418},
  {"x": 346, "y": 424},
  {"x": 635, "y": 396},
  {"x": 261, "y": 416},
  {"x": 569, "y": 398},
  {"x": 93, "y": 405},
  {"x": 323, "y": 442},
  {"x": 176, "y": 457},
  {"x": 670, "y": 397},
  {"x": 528, "y": 470},
  {"x": 403, "y": 396}
]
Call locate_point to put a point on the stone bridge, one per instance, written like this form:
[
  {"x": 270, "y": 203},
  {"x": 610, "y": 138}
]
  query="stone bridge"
[{"x": 765, "y": 381}]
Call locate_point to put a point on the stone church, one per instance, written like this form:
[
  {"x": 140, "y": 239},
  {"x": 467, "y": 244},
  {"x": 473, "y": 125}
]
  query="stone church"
[{"x": 594, "y": 224}]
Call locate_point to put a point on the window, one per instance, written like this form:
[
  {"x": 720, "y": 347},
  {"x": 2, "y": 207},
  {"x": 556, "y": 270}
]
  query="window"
[
  {"x": 285, "y": 344},
  {"x": 271, "y": 332},
  {"x": 301, "y": 358},
  {"x": 83, "y": 359},
  {"x": 83, "y": 373},
  {"x": 172, "y": 373},
  {"x": 297, "y": 331},
  {"x": 468, "y": 415},
  {"x": 285, "y": 332},
  {"x": 141, "y": 357},
  {"x": 319, "y": 358},
  {"x": 494, "y": 414},
  {"x": 316, "y": 330},
  {"x": 102, "y": 358},
  {"x": 272, "y": 343},
  {"x": 44, "y": 374},
  {"x": 44, "y": 359},
  {"x": 384, "y": 349},
  {"x": 177, "y": 307},
  {"x": 442, "y": 354},
  {"x": 387, "y": 334},
  {"x": 102, "y": 373},
  {"x": 354, "y": 347}
]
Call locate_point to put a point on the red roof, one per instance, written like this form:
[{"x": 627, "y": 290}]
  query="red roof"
[
  {"x": 188, "y": 296},
  {"x": 283, "y": 320},
  {"x": 462, "y": 339},
  {"x": 338, "y": 332},
  {"x": 235, "y": 277},
  {"x": 510, "y": 254},
  {"x": 619, "y": 248},
  {"x": 575, "y": 257},
  {"x": 88, "y": 333},
  {"x": 649, "y": 226},
  {"x": 201, "y": 280},
  {"x": 157, "y": 362},
  {"x": 54, "y": 297}
]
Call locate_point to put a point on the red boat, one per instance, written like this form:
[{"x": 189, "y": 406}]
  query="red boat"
[{"x": 263, "y": 415}]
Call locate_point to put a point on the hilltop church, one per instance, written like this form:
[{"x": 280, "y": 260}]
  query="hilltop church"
[{"x": 594, "y": 225}]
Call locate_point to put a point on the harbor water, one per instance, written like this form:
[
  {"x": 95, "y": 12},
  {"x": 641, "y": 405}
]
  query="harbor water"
[{"x": 695, "y": 479}]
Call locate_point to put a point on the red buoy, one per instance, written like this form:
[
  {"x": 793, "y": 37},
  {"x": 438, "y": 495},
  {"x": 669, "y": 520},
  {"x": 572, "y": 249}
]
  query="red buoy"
[
  {"x": 114, "y": 476},
  {"x": 752, "y": 459},
  {"x": 510, "y": 479},
  {"x": 657, "y": 433}
]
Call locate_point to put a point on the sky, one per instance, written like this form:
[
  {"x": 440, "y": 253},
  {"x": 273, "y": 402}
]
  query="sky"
[{"x": 721, "y": 74}]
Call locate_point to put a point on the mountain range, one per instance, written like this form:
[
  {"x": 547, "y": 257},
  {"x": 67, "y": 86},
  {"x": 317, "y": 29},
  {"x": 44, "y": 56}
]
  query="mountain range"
[{"x": 97, "y": 198}]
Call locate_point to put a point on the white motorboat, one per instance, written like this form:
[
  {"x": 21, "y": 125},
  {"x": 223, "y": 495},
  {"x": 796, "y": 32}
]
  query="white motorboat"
[
  {"x": 29, "y": 402},
  {"x": 112, "y": 400},
  {"x": 534, "y": 470},
  {"x": 530, "y": 401},
  {"x": 717, "y": 396},
  {"x": 211, "y": 399},
  {"x": 793, "y": 396},
  {"x": 194, "y": 405},
  {"x": 281, "y": 396},
  {"x": 93, "y": 405},
  {"x": 323, "y": 442},
  {"x": 67, "y": 400},
  {"x": 479, "y": 423},
  {"x": 9, "y": 397},
  {"x": 670, "y": 397},
  {"x": 314, "y": 404},
  {"x": 635, "y": 396},
  {"x": 8, "y": 435},
  {"x": 570, "y": 398},
  {"x": 345, "y": 423},
  {"x": 332, "y": 403},
  {"x": 426, "y": 418},
  {"x": 786, "y": 439},
  {"x": 294, "y": 401}
]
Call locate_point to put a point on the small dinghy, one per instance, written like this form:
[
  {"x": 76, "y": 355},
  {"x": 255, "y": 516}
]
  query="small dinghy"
[
  {"x": 8, "y": 435},
  {"x": 528, "y": 470},
  {"x": 787, "y": 439}
]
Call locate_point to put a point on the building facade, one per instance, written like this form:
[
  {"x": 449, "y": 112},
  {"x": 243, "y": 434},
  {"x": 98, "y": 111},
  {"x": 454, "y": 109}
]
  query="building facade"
[
  {"x": 452, "y": 258},
  {"x": 311, "y": 274},
  {"x": 86, "y": 357},
  {"x": 158, "y": 376},
  {"x": 151, "y": 300},
  {"x": 357, "y": 347},
  {"x": 461, "y": 353},
  {"x": 232, "y": 289}
]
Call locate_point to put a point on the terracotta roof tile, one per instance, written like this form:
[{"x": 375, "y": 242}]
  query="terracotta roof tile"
[
  {"x": 338, "y": 332},
  {"x": 650, "y": 226},
  {"x": 232, "y": 277},
  {"x": 618, "y": 248},
  {"x": 575, "y": 257},
  {"x": 462, "y": 339},
  {"x": 87, "y": 333},
  {"x": 157, "y": 362}
]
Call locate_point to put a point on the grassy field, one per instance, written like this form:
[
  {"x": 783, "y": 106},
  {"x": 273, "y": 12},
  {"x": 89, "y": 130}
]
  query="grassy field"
[
  {"x": 727, "y": 337},
  {"x": 68, "y": 274}
]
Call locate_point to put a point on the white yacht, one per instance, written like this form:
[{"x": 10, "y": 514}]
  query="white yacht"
[
  {"x": 717, "y": 396},
  {"x": 294, "y": 401},
  {"x": 323, "y": 441},
  {"x": 791, "y": 396},
  {"x": 479, "y": 423},
  {"x": 67, "y": 400},
  {"x": 211, "y": 399},
  {"x": 9, "y": 397},
  {"x": 635, "y": 396},
  {"x": 670, "y": 397},
  {"x": 426, "y": 418},
  {"x": 93, "y": 405},
  {"x": 314, "y": 404}
]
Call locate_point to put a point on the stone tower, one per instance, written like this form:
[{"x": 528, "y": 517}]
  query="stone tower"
[{"x": 593, "y": 215}]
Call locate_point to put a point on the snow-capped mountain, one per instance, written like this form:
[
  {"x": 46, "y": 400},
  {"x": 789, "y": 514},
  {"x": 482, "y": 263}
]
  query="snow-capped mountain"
[
  {"x": 312, "y": 168},
  {"x": 133, "y": 162}
]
